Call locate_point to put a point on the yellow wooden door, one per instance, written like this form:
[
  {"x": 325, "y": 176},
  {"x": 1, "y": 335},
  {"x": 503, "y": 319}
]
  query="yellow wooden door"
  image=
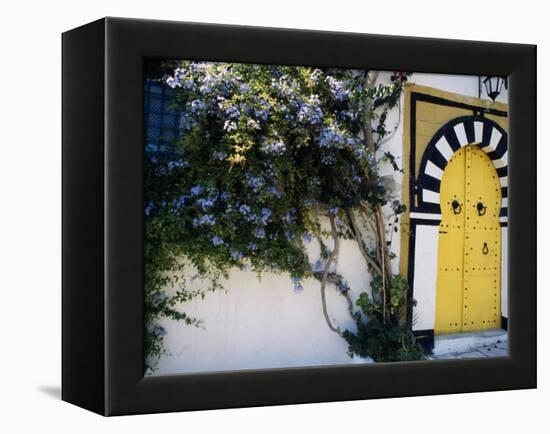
[{"x": 468, "y": 275}]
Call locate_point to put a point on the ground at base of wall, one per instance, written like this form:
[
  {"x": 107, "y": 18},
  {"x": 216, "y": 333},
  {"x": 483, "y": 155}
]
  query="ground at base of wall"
[{"x": 492, "y": 343}]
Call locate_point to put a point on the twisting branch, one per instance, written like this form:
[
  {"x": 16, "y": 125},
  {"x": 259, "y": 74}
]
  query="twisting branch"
[
  {"x": 359, "y": 240},
  {"x": 383, "y": 244},
  {"x": 368, "y": 82},
  {"x": 382, "y": 238},
  {"x": 392, "y": 134},
  {"x": 331, "y": 259},
  {"x": 368, "y": 141},
  {"x": 350, "y": 303},
  {"x": 333, "y": 280},
  {"x": 374, "y": 230}
]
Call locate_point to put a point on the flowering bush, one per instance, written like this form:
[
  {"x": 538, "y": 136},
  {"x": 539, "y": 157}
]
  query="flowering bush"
[{"x": 264, "y": 152}]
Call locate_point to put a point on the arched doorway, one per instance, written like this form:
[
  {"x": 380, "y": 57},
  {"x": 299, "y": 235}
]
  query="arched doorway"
[{"x": 469, "y": 245}]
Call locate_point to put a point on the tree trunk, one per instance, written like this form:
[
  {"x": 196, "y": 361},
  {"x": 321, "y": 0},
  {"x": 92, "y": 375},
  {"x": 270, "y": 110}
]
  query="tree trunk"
[{"x": 384, "y": 267}]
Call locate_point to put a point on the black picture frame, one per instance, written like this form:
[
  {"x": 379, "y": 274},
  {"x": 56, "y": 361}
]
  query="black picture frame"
[{"x": 102, "y": 292}]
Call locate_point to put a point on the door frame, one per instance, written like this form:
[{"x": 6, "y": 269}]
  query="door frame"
[{"x": 479, "y": 122}]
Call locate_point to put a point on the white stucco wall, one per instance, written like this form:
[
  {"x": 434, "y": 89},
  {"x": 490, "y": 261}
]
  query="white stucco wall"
[
  {"x": 425, "y": 276},
  {"x": 254, "y": 325},
  {"x": 264, "y": 324},
  {"x": 461, "y": 84}
]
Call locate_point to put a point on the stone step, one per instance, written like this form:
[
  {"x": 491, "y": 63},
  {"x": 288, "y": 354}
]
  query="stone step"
[{"x": 463, "y": 342}]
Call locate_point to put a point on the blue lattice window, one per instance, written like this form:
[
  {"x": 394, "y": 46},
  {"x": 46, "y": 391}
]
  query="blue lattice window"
[{"x": 161, "y": 122}]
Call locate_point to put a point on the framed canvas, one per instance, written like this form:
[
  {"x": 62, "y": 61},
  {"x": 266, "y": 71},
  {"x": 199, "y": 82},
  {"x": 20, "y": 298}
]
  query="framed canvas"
[{"x": 257, "y": 216}]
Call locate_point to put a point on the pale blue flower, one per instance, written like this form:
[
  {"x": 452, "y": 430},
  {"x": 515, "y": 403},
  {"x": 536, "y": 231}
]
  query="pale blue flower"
[
  {"x": 342, "y": 286},
  {"x": 244, "y": 88},
  {"x": 360, "y": 153},
  {"x": 149, "y": 208},
  {"x": 205, "y": 204},
  {"x": 196, "y": 190},
  {"x": 229, "y": 126},
  {"x": 217, "y": 241},
  {"x": 197, "y": 106},
  {"x": 236, "y": 255},
  {"x": 259, "y": 233},
  {"x": 331, "y": 137},
  {"x": 159, "y": 331},
  {"x": 178, "y": 164},
  {"x": 328, "y": 160},
  {"x": 207, "y": 219},
  {"x": 276, "y": 148},
  {"x": 261, "y": 114},
  {"x": 187, "y": 122},
  {"x": 266, "y": 213},
  {"x": 252, "y": 124},
  {"x": 159, "y": 297},
  {"x": 244, "y": 209},
  {"x": 318, "y": 267},
  {"x": 337, "y": 88},
  {"x": 316, "y": 74},
  {"x": 173, "y": 82},
  {"x": 219, "y": 155},
  {"x": 273, "y": 190},
  {"x": 232, "y": 112},
  {"x": 309, "y": 111},
  {"x": 297, "y": 284},
  {"x": 256, "y": 182},
  {"x": 178, "y": 203},
  {"x": 289, "y": 215},
  {"x": 244, "y": 267}
]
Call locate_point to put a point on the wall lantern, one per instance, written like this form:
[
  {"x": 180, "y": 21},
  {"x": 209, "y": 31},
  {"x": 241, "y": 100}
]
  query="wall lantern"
[{"x": 493, "y": 86}]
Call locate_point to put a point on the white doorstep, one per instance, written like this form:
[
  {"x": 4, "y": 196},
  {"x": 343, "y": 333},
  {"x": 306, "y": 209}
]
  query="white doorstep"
[{"x": 464, "y": 342}]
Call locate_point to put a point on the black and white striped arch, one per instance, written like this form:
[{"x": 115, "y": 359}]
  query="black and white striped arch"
[{"x": 462, "y": 131}]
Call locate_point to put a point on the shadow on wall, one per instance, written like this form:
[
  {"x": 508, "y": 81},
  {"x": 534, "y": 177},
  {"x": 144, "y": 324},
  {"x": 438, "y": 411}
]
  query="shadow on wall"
[{"x": 51, "y": 391}]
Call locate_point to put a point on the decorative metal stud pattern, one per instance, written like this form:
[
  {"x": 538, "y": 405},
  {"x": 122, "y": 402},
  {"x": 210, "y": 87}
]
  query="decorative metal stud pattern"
[
  {"x": 468, "y": 279},
  {"x": 482, "y": 243}
]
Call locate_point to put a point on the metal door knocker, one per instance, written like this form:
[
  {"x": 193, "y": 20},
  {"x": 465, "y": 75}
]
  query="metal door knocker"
[
  {"x": 485, "y": 249},
  {"x": 481, "y": 209},
  {"x": 457, "y": 208}
]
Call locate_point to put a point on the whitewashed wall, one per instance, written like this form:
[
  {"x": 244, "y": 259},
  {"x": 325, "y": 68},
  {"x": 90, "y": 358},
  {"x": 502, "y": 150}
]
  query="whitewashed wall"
[
  {"x": 425, "y": 276},
  {"x": 266, "y": 324}
]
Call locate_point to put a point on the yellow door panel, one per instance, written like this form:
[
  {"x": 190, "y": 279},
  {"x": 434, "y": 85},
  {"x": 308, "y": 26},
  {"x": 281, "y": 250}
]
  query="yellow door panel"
[
  {"x": 482, "y": 243},
  {"x": 450, "y": 261},
  {"x": 468, "y": 278}
]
